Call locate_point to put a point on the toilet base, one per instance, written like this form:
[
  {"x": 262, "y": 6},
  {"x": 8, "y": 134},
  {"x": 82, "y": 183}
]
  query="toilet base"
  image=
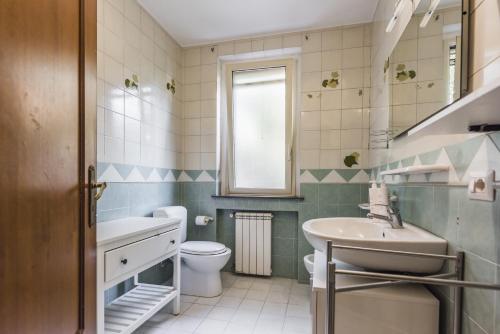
[{"x": 200, "y": 284}]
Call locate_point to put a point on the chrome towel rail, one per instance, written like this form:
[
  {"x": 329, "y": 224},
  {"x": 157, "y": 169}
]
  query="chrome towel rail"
[{"x": 457, "y": 283}]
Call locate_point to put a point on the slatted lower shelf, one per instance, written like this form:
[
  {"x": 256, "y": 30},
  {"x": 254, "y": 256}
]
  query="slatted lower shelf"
[{"x": 128, "y": 312}]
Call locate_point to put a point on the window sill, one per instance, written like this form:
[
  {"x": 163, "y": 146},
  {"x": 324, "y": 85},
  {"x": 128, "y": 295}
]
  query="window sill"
[{"x": 299, "y": 198}]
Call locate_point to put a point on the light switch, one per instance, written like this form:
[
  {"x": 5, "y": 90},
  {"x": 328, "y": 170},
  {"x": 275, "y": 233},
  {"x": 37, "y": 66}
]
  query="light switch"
[{"x": 481, "y": 186}]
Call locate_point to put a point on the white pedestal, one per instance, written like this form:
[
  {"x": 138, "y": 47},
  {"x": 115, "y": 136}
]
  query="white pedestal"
[{"x": 410, "y": 309}]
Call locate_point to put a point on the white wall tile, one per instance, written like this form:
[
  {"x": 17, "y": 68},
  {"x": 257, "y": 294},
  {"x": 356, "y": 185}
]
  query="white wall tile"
[
  {"x": 208, "y": 161},
  {"x": 311, "y": 81},
  {"x": 244, "y": 46},
  {"x": 113, "y": 71},
  {"x": 113, "y": 19},
  {"x": 113, "y": 149},
  {"x": 352, "y": 58},
  {"x": 352, "y": 98},
  {"x": 292, "y": 40},
  {"x": 272, "y": 43},
  {"x": 132, "y": 11},
  {"x": 351, "y": 139},
  {"x": 309, "y": 139},
  {"x": 311, "y": 101},
  {"x": 192, "y": 109},
  {"x": 208, "y": 55},
  {"x": 208, "y": 126},
  {"x": 132, "y": 153},
  {"x": 352, "y": 37},
  {"x": 114, "y": 98},
  {"x": 331, "y": 60},
  {"x": 331, "y": 39},
  {"x": 330, "y": 139},
  {"x": 331, "y": 99},
  {"x": 192, "y": 126},
  {"x": 192, "y": 57},
  {"x": 132, "y": 130},
  {"x": 310, "y": 120},
  {"x": 208, "y": 108},
  {"x": 352, "y": 118},
  {"x": 311, "y": 42},
  {"x": 309, "y": 159},
  {"x": 257, "y": 45},
  {"x": 311, "y": 62},
  {"x": 329, "y": 159},
  {"x": 331, "y": 119}
]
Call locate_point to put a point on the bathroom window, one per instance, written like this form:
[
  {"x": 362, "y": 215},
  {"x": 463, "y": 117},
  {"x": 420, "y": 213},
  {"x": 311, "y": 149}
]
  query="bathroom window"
[{"x": 259, "y": 144}]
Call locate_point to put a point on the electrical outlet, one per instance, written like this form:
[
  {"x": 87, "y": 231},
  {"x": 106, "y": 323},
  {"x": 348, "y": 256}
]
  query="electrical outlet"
[{"x": 481, "y": 186}]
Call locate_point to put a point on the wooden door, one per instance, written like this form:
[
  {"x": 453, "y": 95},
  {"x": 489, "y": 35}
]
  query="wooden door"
[{"x": 47, "y": 96}]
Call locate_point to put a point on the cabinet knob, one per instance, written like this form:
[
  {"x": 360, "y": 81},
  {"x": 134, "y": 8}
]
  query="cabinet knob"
[
  {"x": 124, "y": 261},
  {"x": 172, "y": 242}
]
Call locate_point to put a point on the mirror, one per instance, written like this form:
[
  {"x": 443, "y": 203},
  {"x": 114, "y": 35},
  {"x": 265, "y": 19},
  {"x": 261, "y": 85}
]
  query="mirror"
[{"x": 427, "y": 69}]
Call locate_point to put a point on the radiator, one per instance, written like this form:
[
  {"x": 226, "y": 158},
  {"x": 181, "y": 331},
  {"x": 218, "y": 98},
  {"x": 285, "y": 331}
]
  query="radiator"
[{"x": 253, "y": 243}]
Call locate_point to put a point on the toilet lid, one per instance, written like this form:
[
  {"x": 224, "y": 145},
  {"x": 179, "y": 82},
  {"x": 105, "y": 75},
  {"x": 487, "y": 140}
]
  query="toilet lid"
[{"x": 202, "y": 248}]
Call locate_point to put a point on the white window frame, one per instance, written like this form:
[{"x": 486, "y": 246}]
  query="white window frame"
[{"x": 227, "y": 163}]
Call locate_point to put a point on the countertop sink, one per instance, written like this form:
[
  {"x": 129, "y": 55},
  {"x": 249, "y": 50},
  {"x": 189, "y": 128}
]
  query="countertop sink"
[{"x": 362, "y": 232}]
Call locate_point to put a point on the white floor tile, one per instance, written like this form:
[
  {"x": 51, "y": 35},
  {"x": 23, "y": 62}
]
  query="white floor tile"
[
  {"x": 185, "y": 323},
  {"x": 257, "y": 294},
  {"x": 211, "y": 326},
  {"x": 247, "y": 306},
  {"x": 185, "y": 306},
  {"x": 198, "y": 311},
  {"x": 233, "y": 328},
  {"x": 243, "y": 283},
  {"x": 208, "y": 301},
  {"x": 271, "y": 309},
  {"x": 298, "y": 300},
  {"x": 236, "y": 292},
  {"x": 221, "y": 313},
  {"x": 269, "y": 325},
  {"x": 299, "y": 311},
  {"x": 296, "y": 325},
  {"x": 188, "y": 299},
  {"x": 261, "y": 284},
  {"x": 245, "y": 317},
  {"x": 280, "y": 288},
  {"x": 229, "y": 301},
  {"x": 278, "y": 297},
  {"x": 253, "y": 305}
]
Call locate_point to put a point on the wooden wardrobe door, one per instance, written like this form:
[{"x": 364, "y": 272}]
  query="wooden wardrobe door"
[{"x": 42, "y": 157}]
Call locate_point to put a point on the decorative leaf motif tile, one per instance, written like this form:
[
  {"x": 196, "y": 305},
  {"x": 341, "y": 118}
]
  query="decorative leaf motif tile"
[{"x": 352, "y": 159}]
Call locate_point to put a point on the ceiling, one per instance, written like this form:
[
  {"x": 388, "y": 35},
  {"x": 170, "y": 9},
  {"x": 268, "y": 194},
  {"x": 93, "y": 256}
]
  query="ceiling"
[{"x": 197, "y": 22}]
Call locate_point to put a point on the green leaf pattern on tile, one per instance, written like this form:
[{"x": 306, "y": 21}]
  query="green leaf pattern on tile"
[
  {"x": 132, "y": 83},
  {"x": 402, "y": 74},
  {"x": 333, "y": 82},
  {"x": 171, "y": 86},
  {"x": 352, "y": 159}
]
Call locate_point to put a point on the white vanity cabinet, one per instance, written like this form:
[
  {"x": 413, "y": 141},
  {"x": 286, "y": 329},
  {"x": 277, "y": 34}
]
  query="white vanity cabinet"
[
  {"x": 409, "y": 309},
  {"x": 126, "y": 247}
]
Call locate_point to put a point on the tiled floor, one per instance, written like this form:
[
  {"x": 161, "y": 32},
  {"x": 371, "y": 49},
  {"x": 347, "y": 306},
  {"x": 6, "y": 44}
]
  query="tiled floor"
[{"x": 247, "y": 305}]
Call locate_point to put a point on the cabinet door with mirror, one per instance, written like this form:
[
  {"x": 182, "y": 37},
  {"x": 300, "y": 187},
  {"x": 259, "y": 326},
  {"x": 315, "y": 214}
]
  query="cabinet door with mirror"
[{"x": 427, "y": 68}]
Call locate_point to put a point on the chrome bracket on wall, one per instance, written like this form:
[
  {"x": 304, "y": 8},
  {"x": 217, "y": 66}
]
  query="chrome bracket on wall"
[{"x": 457, "y": 283}]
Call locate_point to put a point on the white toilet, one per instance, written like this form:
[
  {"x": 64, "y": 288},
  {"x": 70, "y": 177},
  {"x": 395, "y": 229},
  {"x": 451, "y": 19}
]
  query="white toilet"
[{"x": 201, "y": 260}]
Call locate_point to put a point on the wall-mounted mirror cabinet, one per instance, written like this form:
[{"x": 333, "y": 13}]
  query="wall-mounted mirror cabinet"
[{"x": 427, "y": 69}]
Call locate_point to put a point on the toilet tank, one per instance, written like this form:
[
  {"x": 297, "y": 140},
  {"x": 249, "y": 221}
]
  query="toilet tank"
[{"x": 174, "y": 212}]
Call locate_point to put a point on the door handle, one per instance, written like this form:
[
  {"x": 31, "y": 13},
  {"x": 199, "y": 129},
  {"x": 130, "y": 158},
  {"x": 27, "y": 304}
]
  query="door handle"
[
  {"x": 101, "y": 186},
  {"x": 93, "y": 195}
]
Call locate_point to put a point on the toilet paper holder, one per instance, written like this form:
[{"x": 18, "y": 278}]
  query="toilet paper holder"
[{"x": 203, "y": 220}]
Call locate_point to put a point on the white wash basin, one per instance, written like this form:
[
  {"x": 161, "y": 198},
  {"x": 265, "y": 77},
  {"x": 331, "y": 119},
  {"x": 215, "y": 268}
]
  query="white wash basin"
[{"x": 362, "y": 232}]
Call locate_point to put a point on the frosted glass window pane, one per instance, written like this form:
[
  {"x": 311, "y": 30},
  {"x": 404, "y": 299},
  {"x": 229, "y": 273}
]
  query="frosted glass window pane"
[{"x": 259, "y": 128}]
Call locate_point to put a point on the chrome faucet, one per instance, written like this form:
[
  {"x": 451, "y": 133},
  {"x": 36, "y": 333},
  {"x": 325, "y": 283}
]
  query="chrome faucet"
[{"x": 393, "y": 216}]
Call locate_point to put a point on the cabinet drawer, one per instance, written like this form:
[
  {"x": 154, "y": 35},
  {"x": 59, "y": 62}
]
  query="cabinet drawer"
[{"x": 122, "y": 260}]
